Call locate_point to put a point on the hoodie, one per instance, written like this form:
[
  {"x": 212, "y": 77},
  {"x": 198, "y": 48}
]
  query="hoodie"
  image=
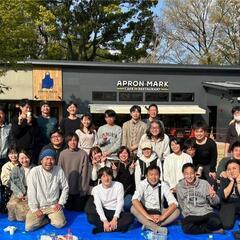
[
  {"x": 146, "y": 162},
  {"x": 194, "y": 199}
]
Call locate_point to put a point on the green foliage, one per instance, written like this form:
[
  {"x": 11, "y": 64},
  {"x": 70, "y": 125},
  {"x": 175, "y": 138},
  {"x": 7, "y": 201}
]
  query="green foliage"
[{"x": 88, "y": 30}]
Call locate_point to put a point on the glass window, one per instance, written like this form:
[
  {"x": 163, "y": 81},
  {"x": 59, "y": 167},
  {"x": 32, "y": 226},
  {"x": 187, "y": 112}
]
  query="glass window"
[
  {"x": 182, "y": 97},
  {"x": 104, "y": 96},
  {"x": 156, "y": 97},
  {"x": 130, "y": 96}
]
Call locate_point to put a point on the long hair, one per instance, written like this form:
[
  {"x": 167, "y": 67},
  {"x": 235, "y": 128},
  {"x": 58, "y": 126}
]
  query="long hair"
[
  {"x": 91, "y": 127},
  {"x": 161, "y": 133}
]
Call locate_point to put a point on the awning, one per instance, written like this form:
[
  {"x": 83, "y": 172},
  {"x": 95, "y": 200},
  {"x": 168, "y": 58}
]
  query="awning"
[
  {"x": 223, "y": 85},
  {"x": 162, "y": 109}
]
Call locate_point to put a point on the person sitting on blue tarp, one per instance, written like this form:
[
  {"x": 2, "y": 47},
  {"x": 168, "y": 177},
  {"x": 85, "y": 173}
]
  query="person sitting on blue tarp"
[
  {"x": 47, "y": 193},
  {"x": 104, "y": 210}
]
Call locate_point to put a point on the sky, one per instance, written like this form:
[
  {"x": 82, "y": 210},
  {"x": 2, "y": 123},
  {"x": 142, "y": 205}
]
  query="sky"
[{"x": 158, "y": 9}]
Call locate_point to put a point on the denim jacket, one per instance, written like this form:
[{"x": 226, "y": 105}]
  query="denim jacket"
[{"x": 18, "y": 183}]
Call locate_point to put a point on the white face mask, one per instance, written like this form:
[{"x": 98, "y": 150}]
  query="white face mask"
[{"x": 237, "y": 118}]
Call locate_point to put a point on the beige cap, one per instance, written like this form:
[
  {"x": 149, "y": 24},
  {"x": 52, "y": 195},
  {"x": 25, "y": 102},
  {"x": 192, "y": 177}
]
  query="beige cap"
[{"x": 146, "y": 145}]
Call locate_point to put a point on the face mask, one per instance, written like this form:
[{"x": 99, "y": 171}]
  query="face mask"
[{"x": 237, "y": 118}]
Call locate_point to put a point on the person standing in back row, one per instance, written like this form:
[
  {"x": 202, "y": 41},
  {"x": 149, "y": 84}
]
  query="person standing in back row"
[
  {"x": 46, "y": 123},
  {"x": 233, "y": 133},
  {"x": 25, "y": 131},
  {"x": 71, "y": 123},
  {"x": 109, "y": 135},
  {"x": 133, "y": 130},
  {"x": 153, "y": 115}
]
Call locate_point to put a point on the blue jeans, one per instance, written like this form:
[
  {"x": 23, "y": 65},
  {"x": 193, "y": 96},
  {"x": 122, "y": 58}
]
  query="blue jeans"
[{"x": 127, "y": 203}]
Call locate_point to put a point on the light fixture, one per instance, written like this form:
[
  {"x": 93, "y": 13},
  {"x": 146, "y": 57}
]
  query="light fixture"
[{"x": 4, "y": 87}]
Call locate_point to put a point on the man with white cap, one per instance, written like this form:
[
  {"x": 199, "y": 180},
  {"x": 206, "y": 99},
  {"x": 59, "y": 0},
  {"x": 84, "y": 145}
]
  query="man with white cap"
[
  {"x": 47, "y": 193},
  {"x": 149, "y": 157}
]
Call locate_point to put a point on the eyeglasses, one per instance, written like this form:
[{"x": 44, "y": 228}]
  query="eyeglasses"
[{"x": 56, "y": 136}]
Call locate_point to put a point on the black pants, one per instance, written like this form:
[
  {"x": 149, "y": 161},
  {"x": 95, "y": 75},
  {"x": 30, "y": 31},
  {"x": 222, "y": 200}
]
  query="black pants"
[
  {"x": 76, "y": 202},
  {"x": 124, "y": 221},
  {"x": 201, "y": 224},
  {"x": 205, "y": 176},
  {"x": 228, "y": 214}
]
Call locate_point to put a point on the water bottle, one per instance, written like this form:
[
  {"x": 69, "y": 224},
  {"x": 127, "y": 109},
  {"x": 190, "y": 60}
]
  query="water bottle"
[
  {"x": 147, "y": 235},
  {"x": 150, "y": 235}
]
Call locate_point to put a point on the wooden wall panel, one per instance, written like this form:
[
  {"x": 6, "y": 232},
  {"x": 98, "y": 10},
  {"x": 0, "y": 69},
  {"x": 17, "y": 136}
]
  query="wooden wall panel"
[{"x": 47, "y": 83}]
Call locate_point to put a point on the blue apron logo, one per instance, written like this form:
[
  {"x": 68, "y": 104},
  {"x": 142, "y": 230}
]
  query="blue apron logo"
[{"x": 47, "y": 81}]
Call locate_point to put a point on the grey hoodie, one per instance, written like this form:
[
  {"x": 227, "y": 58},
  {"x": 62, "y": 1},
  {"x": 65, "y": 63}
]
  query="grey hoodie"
[{"x": 194, "y": 199}]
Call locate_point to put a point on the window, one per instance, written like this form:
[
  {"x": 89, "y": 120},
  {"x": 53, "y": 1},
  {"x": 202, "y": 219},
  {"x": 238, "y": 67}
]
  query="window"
[
  {"x": 182, "y": 97},
  {"x": 130, "y": 96},
  {"x": 104, "y": 96},
  {"x": 156, "y": 97}
]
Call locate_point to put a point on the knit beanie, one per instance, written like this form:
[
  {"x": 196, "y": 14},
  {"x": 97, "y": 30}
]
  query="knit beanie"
[{"x": 47, "y": 153}]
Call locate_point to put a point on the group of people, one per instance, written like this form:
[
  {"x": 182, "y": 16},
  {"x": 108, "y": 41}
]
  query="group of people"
[{"x": 115, "y": 174}]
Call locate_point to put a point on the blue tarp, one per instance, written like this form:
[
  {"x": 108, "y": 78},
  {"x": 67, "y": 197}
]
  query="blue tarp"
[{"x": 79, "y": 226}]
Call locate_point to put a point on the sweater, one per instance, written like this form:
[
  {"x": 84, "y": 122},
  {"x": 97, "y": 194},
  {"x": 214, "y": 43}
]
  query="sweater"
[
  {"x": 194, "y": 200},
  {"x": 25, "y": 136},
  {"x": 77, "y": 169},
  {"x": 172, "y": 168},
  {"x": 132, "y": 133},
  {"x": 110, "y": 198},
  {"x": 6, "y": 172},
  {"x": 206, "y": 154},
  {"x": 126, "y": 177},
  {"x": 46, "y": 125},
  {"x": 114, "y": 138},
  {"x": 69, "y": 126},
  {"x": 86, "y": 140},
  {"x": 46, "y": 188}
]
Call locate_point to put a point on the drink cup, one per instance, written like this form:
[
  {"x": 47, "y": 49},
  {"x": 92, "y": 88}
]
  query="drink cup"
[
  {"x": 199, "y": 171},
  {"x": 12, "y": 230},
  {"x": 29, "y": 114}
]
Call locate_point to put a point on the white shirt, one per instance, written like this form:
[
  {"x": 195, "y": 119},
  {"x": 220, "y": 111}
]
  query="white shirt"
[
  {"x": 172, "y": 168},
  {"x": 149, "y": 196},
  {"x": 44, "y": 188},
  {"x": 111, "y": 198}
]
